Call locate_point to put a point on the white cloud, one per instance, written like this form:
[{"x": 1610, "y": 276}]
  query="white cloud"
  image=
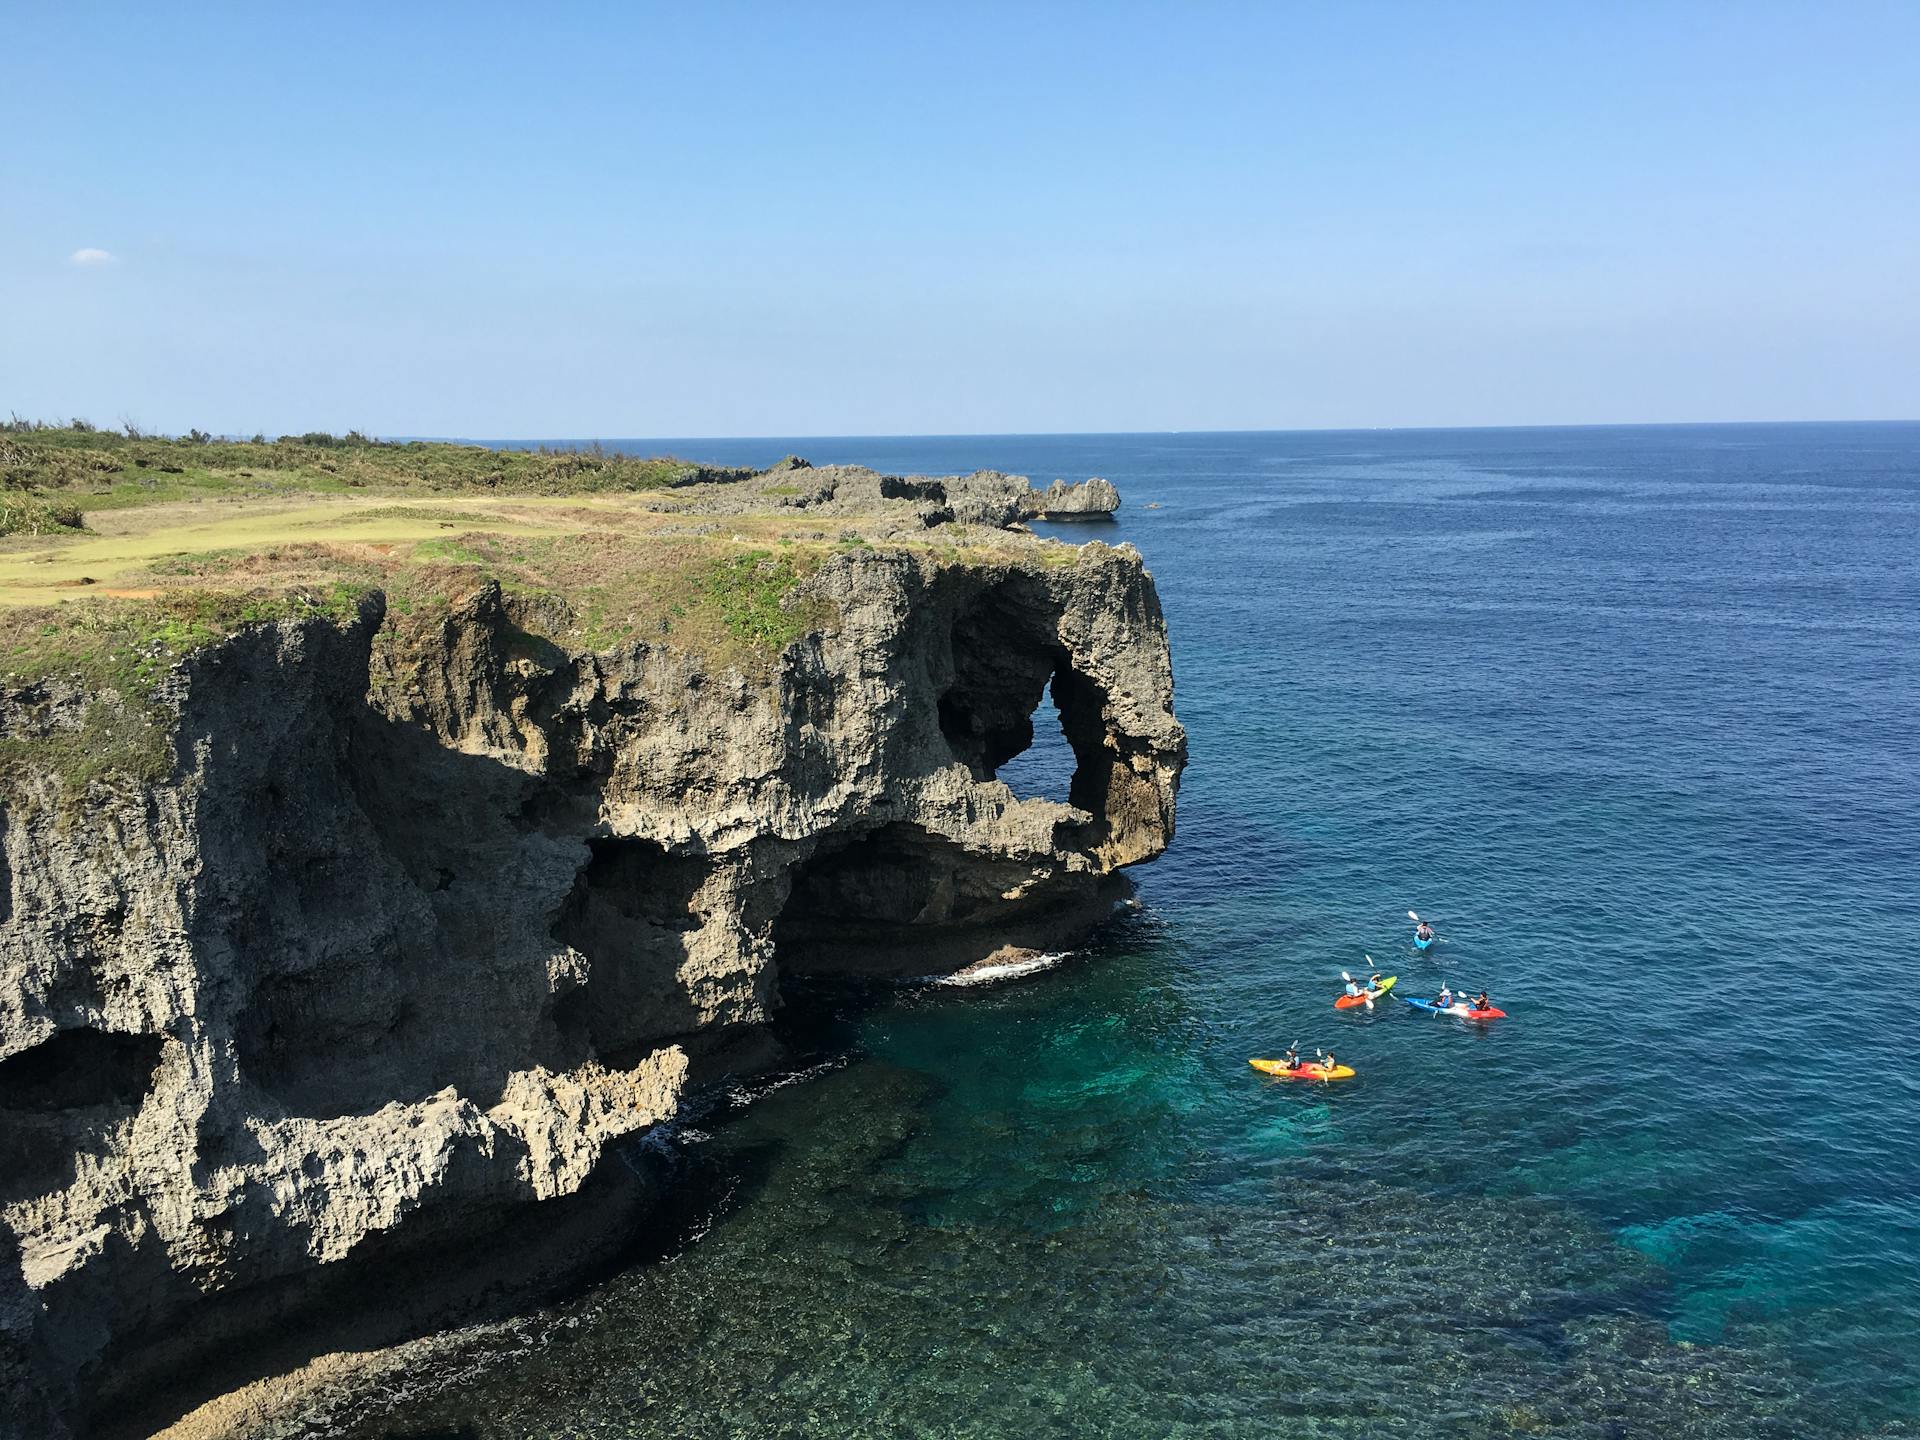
[{"x": 90, "y": 257}]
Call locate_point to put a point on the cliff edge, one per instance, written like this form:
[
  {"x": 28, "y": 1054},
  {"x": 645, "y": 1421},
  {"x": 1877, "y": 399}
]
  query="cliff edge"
[{"x": 362, "y": 899}]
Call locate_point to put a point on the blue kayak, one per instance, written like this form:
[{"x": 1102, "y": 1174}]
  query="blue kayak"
[
  {"x": 1463, "y": 1008},
  {"x": 1420, "y": 944}
]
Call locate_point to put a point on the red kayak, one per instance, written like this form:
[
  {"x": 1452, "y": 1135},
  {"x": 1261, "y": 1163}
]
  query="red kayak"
[{"x": 1460, "y": 1008}]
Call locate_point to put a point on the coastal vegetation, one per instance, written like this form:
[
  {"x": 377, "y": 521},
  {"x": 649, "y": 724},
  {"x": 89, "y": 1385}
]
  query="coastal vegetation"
[
  {"x": 734, "y": 605},
  {"x": 115, "y": 655},
  {"x": 123, "y": 554},
  {"x": 78, "y": 467}
]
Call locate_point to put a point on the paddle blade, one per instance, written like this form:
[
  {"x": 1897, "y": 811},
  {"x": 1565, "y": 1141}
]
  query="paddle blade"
[{"x": 1413, "y": 917}]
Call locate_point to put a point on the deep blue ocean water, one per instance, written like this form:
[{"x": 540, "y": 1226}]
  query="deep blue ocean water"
[{"x": 1630, "y": 713}]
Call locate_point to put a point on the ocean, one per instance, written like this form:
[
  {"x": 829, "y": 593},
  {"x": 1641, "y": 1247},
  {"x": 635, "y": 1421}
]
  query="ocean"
[{"x": 1630, "y": 714}]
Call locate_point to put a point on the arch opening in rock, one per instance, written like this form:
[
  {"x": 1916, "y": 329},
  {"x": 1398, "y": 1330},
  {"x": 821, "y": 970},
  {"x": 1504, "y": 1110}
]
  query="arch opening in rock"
[
  {"x": 898, "y": 899},
  {"x": 631, "y": 911},
  {"x": 1045, "y": 769},
  {"x": 1017, "y": 710}
]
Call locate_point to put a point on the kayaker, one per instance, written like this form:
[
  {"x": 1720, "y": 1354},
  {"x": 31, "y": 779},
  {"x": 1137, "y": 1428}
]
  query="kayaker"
[
  {"x": 1425, "y": 932},
  {"x": 1373, "y": 982},
  {"x": 1292, "y": 1058},
  {"x": 1327, "y": 1063},
  {"x": 1481, "y": 1002},
  {"x": 1446, "y": 998},
  {"x": 1353, "y": 986}
]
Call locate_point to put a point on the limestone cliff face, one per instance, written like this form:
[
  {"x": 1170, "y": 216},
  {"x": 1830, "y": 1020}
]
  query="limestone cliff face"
[{"x": 422, "y": 924}]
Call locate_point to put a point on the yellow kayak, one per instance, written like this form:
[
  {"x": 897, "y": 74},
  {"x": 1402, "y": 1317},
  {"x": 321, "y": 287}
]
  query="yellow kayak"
[{"x": 1309, "y": 1070}]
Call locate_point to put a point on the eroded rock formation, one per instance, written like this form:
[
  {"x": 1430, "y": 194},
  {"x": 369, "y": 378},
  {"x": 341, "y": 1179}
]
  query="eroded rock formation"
[
  {"x": 985, "y": 497},
  {"x": 1094, "y": 499},
  {"x": 356, "y": 1002}
]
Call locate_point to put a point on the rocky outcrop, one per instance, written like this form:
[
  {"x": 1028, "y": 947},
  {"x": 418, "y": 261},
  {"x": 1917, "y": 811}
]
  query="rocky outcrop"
[
  {"x": 1094, "y": 499},
  {"x": 916, "y": 502},
  {"x": 426, "y": 925}
]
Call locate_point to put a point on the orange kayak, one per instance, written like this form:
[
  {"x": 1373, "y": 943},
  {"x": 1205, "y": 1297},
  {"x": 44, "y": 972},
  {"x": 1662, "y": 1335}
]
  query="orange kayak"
[
  {"x": 1347, "y": 1002},
  {"x": 1309, "y": 1070}
]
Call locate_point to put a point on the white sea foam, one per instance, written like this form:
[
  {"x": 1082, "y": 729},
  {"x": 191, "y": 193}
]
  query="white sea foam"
[
  {"x": 989, "y": 974},
  {"x": 745, "y": 1092}
]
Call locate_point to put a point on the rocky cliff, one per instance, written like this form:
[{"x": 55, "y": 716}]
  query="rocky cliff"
[{"x": 425, "y": 920}]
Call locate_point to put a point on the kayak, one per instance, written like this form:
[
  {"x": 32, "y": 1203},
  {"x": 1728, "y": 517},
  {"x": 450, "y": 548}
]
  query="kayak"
[
  {"x": 1310, "y": 1070},
  {"x": 1460, "y": 1008},
  {"x": 1420, "y": 944},
  {"x": 1347, "y": 1002}
]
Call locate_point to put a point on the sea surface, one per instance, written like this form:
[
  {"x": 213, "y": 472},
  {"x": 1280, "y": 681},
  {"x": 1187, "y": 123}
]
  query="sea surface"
[{"x": 1631, "y": 715}]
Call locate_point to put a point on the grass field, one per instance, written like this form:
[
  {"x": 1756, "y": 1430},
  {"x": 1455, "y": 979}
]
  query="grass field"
[
  {"x": 121, "y": 556},
  {"x": 125, "y": 543},
  {"x": 78, "y": 470}
]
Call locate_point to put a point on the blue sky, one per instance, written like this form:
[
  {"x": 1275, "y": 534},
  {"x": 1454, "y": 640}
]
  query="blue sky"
[{"x": 738, "y": 219}]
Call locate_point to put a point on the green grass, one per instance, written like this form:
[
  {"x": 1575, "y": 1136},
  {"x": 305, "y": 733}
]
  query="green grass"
[
  {"x": 751, "y": 592},
  {"x": 709, "y": 598},
  {"x": 117, "y": 740},
  {"x": 99, "y": 469},
  {"x": 116, "y": 653},
  {"x": 460, "y": 552},
  {"x": 378, "y": 514},
  {"x": 36, "y": 515}
]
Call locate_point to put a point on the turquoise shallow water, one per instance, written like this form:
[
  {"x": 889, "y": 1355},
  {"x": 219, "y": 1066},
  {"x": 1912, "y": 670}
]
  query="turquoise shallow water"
[{"x": 1630, "y": 713}]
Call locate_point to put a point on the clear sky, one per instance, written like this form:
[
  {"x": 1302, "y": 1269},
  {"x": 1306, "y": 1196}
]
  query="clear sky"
[{"x": 732, "y": 219}]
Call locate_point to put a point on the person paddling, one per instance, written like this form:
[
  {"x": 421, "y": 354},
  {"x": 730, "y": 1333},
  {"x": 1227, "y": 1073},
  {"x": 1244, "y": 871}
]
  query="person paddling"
[
  {"x": 1425, "y": 932},
  {"x": 1481, "y": 1002},
  {"x": 1445, "y": 1002},
  {"x": 1327, "y": 1063},
  {"x": 1292, "y": 1058}
]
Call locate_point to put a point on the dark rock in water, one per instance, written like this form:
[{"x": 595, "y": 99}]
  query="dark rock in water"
[{"x": 335, "y": 1033}]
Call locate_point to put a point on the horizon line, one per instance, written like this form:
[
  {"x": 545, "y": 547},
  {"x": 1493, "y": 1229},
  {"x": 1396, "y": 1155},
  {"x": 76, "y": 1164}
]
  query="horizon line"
[{"x": 1074, "y": 434}]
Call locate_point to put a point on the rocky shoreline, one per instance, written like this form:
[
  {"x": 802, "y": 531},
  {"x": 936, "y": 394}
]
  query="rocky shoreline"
[{"x": 423, "y": 919}]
